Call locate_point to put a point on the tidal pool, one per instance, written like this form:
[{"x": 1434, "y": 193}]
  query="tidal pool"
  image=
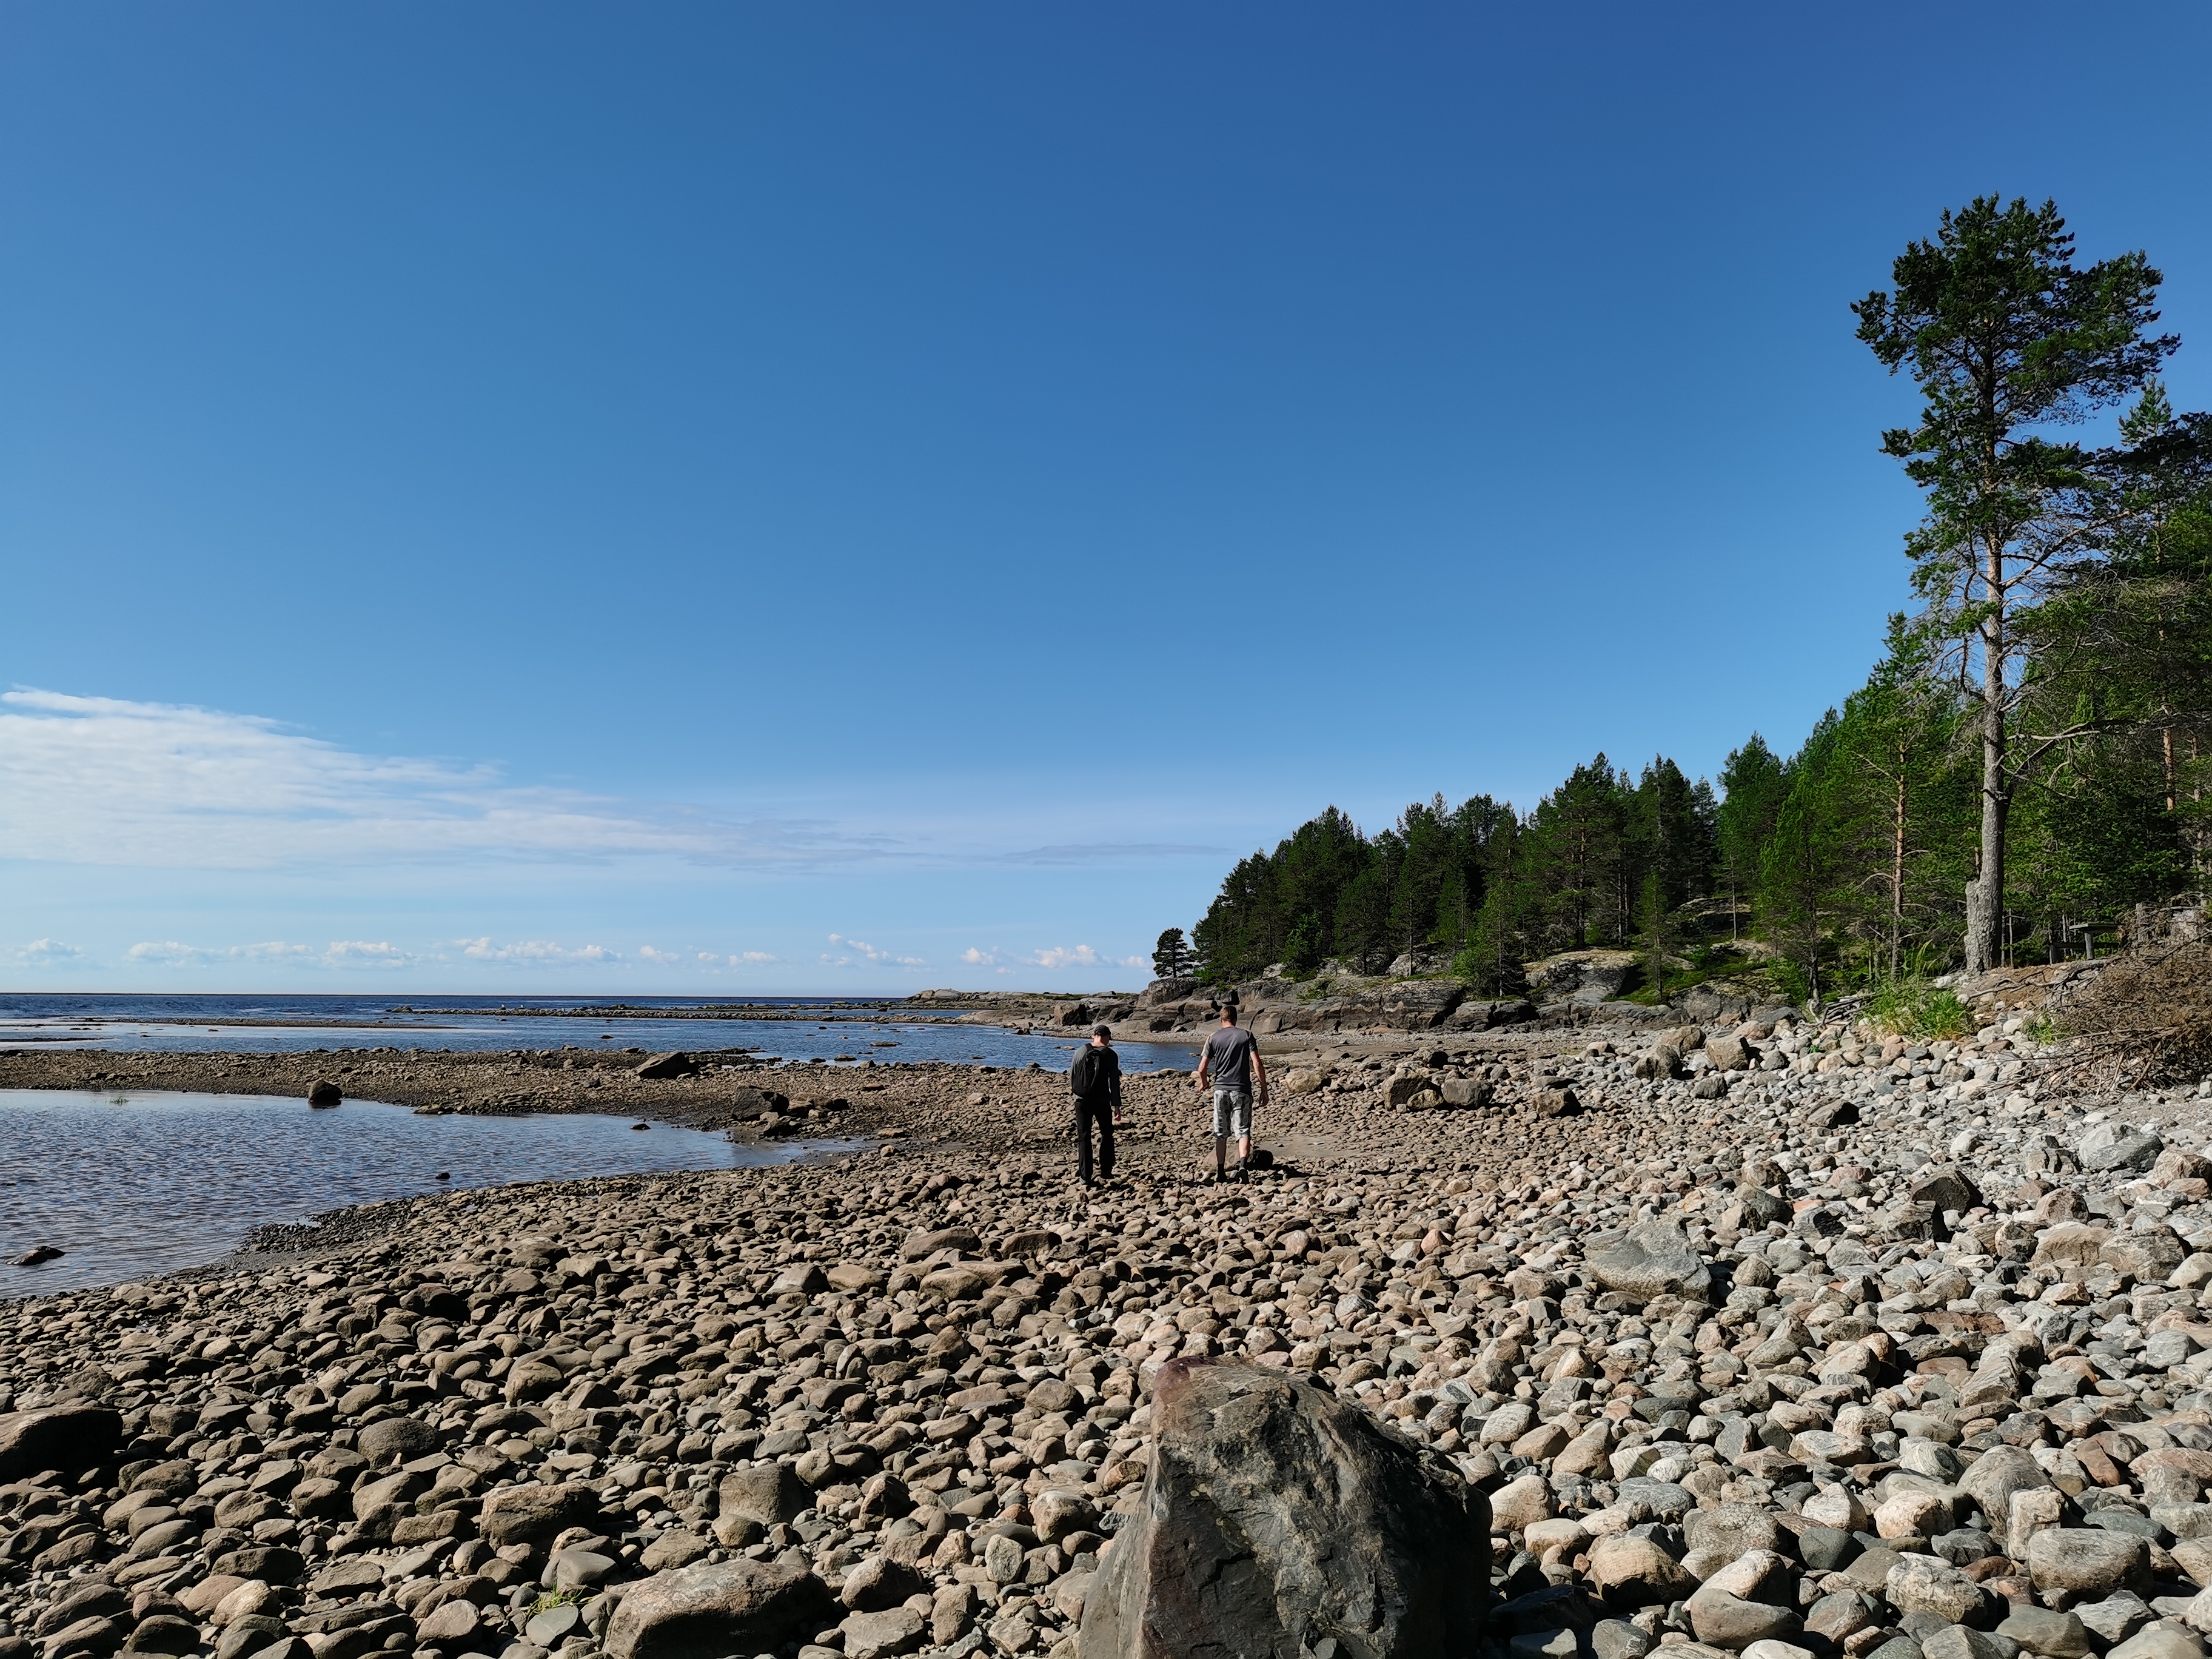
[{"x": 131, "y": 1184}]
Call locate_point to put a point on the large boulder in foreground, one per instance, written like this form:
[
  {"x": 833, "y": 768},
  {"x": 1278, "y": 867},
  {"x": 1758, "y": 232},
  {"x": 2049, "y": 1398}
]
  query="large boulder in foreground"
[
  {"x": 1652, "y": 1259},
  {"x": 71, "y": 1439},
  {"x": 1276, "y": 1516},
  {"x": 707, "y": 1613}
]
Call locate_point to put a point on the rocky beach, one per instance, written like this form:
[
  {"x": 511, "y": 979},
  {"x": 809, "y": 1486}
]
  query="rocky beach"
[{"x": 1764, "y": 1336}]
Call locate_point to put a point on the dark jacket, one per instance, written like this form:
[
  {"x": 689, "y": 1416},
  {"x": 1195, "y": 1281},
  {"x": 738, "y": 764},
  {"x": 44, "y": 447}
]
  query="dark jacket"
[{"x": 1097, "y": 1076}]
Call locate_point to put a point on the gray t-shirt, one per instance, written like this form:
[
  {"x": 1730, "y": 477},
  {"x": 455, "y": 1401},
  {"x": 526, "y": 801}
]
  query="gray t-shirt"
[{"x": 1229, "y": 1058}]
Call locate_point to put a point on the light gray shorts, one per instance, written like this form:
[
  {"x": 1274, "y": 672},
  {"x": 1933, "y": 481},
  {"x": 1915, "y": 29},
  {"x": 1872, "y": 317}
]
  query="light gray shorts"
[{"x": 1232, "y": 1114}]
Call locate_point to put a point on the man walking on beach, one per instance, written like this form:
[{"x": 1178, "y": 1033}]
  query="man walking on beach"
[
  {"x": 1232, "y": 1057},
  {"x": 1096, "y": 1081}
]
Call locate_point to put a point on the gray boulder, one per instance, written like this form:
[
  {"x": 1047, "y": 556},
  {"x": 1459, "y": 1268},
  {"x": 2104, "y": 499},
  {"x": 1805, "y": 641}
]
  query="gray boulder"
[
  {"x": 407, "y": 1436},
  {"x": 707, "y": 1613},
  {"x": 1941, "y": 1187},
  {"x": 2160, "y": 1641},
  {"x": 1275, "y": 1516},
  {"x": 2150, "y": 1254},
  {"x": 1732, "y": 1529},
  {"x": 2052, "y": 1635},
  {"x": 1652, "y": 1259},
  {"x": 1722, "y": 1620},
  {"x": 2110, "y": 1146},
  {"x": 1729, "y": 1053},
  {"x": 536, "y": 1514},
  {"x": 1925, "y": 1583},
  {"x": 2084, "y": 1562},
  {"x": 768, "y": 1494},
  {"x": 1960, "y": 1642},
  {"x": 1991, "y": 1479}
]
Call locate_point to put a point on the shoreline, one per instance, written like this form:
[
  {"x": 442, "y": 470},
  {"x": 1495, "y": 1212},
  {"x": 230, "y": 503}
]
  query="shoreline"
[{"x": 917, "y": 1380}]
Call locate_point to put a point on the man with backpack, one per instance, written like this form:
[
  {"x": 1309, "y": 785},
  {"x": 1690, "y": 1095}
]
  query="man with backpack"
[
  {"x": 1232, "y": 1057},
  {"x": 1095, "y": 1079}
]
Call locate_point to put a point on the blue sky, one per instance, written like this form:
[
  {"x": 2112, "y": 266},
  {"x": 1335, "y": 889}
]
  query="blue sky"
[{"x": 705, "y": 498}]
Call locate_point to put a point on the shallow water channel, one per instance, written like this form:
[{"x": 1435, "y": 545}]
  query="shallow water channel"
[{"x": 127, "y": 1185}]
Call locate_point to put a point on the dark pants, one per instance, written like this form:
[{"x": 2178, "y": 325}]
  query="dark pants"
[{"x": 1088, "y": 1112}]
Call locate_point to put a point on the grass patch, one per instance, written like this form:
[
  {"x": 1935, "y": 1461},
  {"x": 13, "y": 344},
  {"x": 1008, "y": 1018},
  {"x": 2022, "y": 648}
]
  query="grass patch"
[{"x": 1914, "y": 1008}]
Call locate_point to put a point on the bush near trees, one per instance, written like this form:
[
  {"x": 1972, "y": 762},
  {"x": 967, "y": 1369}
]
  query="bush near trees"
[{"x": 2026, "y": 762}]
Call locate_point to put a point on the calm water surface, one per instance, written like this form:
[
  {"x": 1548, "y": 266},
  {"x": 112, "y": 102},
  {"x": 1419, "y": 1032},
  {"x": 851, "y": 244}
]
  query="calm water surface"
[{"x": 129, "y": 1185}]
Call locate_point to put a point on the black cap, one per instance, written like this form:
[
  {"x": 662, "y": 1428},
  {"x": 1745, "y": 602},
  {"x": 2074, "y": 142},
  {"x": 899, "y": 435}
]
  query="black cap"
[{"x": 1102, "y": 1030}]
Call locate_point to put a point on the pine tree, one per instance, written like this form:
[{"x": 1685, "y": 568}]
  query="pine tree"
[
  {"x": 1171, "y": 957},
  {"x": 2007, "y": 339}
]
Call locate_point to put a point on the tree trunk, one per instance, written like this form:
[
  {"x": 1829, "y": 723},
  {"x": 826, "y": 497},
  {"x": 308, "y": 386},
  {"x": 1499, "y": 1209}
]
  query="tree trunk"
[
  {"x": 1897, "y": 871},
  {"x": 1985, "y": 892}
]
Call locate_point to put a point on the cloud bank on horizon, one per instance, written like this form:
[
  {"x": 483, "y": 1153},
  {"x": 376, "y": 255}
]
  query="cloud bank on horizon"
[{"x": 229, "y": 802}]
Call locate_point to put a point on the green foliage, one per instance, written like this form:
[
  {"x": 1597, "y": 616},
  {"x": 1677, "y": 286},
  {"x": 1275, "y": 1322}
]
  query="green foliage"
[
  {"x": 2010, "y": 342},
  {"x": 1488, "y": 886},
  {"x": 1329, "y": 892},
  {"x": 1752, "y": 784},
  {"x": 1914, "y": 1008},
  {"x": 1789, "y": 978}
]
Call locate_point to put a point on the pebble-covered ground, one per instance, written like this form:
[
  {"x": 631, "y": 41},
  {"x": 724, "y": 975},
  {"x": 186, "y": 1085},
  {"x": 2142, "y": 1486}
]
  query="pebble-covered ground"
[{"x": 1852, "y": 1346}]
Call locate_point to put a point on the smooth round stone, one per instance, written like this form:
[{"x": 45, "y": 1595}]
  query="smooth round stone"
[
  {"x": 546, "y": 1629},
  {"x": 580, "y": 1570}
]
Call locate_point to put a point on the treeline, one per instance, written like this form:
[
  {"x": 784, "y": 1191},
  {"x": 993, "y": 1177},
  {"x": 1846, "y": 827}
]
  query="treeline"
[
  {"x": 1598, "y": 854},
  {"x": 2025, "y": 767},
  {"x": 1849, "y": 856}
]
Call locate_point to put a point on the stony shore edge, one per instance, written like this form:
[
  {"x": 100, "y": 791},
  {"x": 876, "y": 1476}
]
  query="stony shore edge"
[{"x": 1757, "y": 1335}]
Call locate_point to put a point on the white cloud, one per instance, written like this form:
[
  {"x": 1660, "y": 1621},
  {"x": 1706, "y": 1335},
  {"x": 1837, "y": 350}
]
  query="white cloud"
[
  {"x": 380, "y": 954},
  {"x": 871, "y": 954},
  {"x": 1056, "y": 956},
  {"x": 1052, "y": 958},
  {"x": 105, "y": 781},
  {"x": 647, "y": 953},
  {"x": 338, "y": 953},
  {"x": 534, "y": 952},
  {"x": 45, "y": 951},
  {"x": 753, "y": 955}
]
